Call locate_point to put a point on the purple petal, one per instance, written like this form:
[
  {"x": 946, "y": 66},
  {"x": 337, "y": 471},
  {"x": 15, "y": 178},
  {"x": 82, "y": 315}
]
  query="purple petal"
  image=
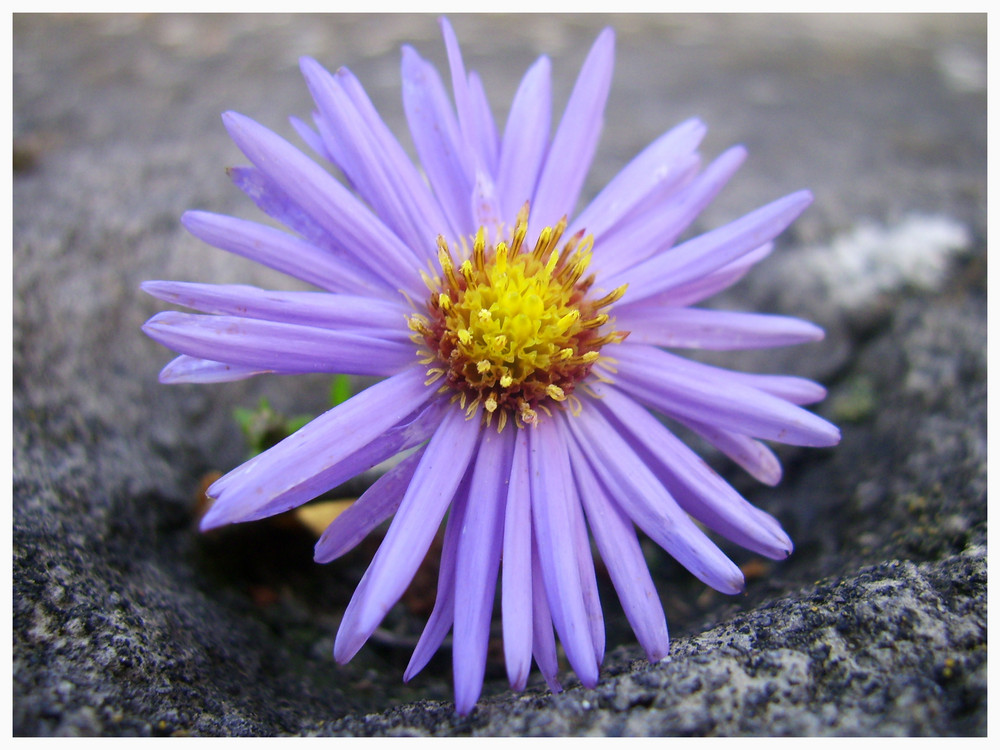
[
  {"x": 273, "y": 200},
  {"x": 794, "y": 389},
  {"x": 285, "y": 253},
  {"x": 699, "y": 490},
  {"x": 718, "y": 330},
  {"x": 316, "y": 309},
  {"x": 312, "y": 138},
  {"x": 661, "y": 163},
  {"x": 543, "y": 644},
  {"x": 755, "y": 457},
  {"x": 691, "y": 390},
  {"x": 644, "y": 499},
  {"x": 366, "y": 513},
  {"x": 327, "y": 202},
  {"x": 791, "y": 388},
  {"x": 515, "y": 589},
  {"x": 619, "y": 547},
  {"x": 710, "y": 251},
  {"x": 479, "y": 550},
  {"x": 646, "y": 233},
  {"x": 486, "y": 202},
  {"x": 374, "y": 161},
  {"x": 486, "y": 128},
  {"x": 576, "y": 137},
  {"x": 185, "y": 369},
  {"x": 278, "y": 346},
  {"x": 438, "y": 140},
  {"x": 467, "y": 121},
  {"x": 443, "y": 614},
  {"x": 588, "y": 581},
  {"x": 336, "y": 147},
  {"x": 416, "y": 522},
  {"x": 553, "y": 523},
  {"x": 350, "y": 438},
  {"x": 704, "y": 287},
  {"x": 525, "y": 139}
]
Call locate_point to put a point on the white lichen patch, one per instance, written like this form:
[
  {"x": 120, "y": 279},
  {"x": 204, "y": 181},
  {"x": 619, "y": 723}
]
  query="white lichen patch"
[
  {"x": 872, "y": 260},
  {"x": 963, "y": 69}
]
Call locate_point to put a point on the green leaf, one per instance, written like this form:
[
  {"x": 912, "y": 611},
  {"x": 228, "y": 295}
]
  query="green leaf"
[{"x": 340, "y": 390}]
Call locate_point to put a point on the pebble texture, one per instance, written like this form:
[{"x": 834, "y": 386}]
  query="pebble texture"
[{"x": 126, "y": 621}]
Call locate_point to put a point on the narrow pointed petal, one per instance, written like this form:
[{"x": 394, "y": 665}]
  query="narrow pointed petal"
[
  {"x": 300, "y": 259},
  {"x": 543, "y": 639},
  {"x": 271, "y": 346},
  {"x": 717, "y": 330},
  {"x": 438, "y": 140},
  {"x": 756, "y": 458},
  {"x": 327, "y": 202},
  {"x": 311, "y": 137},
  {"x": 588, "y": 580},
  {"x": 649, "y": 233},
  {"x": 699, "y": 490},
  {"x": 674, "y": 385},
  {"x": 335, "y": 145},
  {"x": 575, "y": 141},
  {"x": 619, "y": 548},
  {"x": 185, "y": 369},
  {"x": 275, "y": 201},
  {"x": 796, "y": 390},
  {"x": 588, "y": 577},
  {"x": 661, "y": 163},
  {"x": 366, "y": 429},
  {"x": 525, "y": 138},
  {"x": 479, "y": 550},
  {"x": 553, "y": 524},
  {"x": 464, "y": 106},
  {"x": 712, "y": 250},
  {"x": 316, "y": 309},
  {"x": 413, "y": 528},
  {"x": 366, "y": 513},
  {"x": 373, "y": 159},
  {"x": 443, "y": 614},
  {"x": 702, "y": 288},
  {"x": 486, "y": 127},
  {"x": 515, "y": 585},
  {"x": 644, "y": 499},
  {"x": 486, "y": 203}
]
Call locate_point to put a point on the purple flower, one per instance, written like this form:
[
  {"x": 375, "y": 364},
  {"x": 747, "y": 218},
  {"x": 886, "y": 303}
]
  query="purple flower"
[{"x": 521, "y": 351}]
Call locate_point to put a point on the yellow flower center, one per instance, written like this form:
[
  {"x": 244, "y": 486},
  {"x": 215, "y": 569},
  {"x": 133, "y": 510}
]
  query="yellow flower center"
[{"x": 513, "y": 329}]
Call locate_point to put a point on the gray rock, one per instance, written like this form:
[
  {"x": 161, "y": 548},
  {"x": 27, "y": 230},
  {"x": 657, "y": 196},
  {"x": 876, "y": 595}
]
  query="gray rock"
[{"x": 126, "y": 621}]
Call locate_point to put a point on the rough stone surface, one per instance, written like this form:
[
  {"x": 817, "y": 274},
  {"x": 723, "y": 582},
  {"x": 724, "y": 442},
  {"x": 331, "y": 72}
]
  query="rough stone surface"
[{"x": 126, "y": 621}]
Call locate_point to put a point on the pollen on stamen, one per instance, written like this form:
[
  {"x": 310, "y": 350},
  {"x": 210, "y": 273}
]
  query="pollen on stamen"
[{"x": 512, "y": 329}]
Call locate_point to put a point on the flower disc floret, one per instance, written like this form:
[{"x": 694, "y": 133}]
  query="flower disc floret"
[{"x": 512, "y": 329}]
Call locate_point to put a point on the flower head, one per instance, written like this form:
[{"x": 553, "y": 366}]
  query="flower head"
[{"x": 522, "y": 349}]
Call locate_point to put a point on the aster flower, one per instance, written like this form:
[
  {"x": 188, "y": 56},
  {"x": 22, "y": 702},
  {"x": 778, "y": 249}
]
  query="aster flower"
[{"x": 522, "y": 349}]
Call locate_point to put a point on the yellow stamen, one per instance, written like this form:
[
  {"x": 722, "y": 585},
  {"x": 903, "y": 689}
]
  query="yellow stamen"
[{"x": 512, "y": 330}]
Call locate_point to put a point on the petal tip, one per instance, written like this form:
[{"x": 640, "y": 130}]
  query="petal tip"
[
  {"x": 212, "y": 519},
  {"x": 306, "y": 62}
]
